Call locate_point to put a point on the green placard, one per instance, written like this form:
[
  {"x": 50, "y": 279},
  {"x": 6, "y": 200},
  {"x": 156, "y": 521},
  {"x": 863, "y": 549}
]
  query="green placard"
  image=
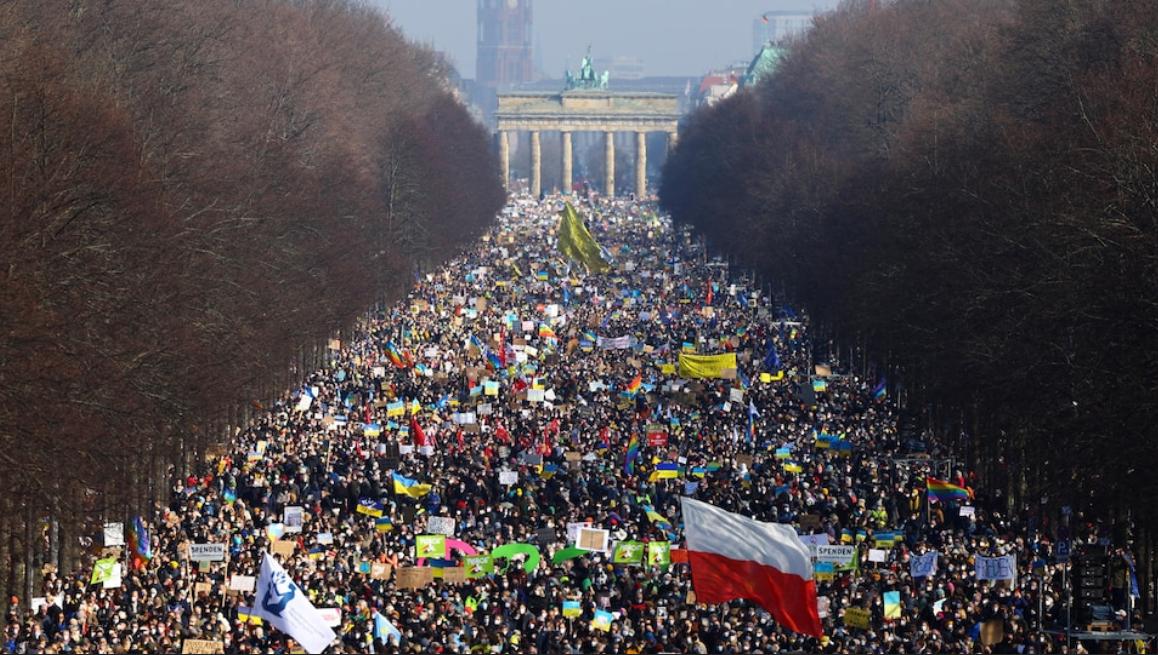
[
  {"x": 478, "y": 566},
  {"x": 659, "y": 553},
  {"x": 430, "y": 546},
  {"x": 628, "y": 552}
]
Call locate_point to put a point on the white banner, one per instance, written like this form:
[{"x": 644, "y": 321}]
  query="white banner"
[
  {"x": 841, "y": 555},
  {"x": 923, "y": 566},
  {"x": 605, "y": 343},
  {"x": 207, "y": 552},
  {"x": 285, "y": 606},
  {"x": 996, "y": 568}
]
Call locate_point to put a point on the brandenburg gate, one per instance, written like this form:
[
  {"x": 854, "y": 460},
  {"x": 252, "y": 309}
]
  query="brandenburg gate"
[{"x": 585, "y": 110}]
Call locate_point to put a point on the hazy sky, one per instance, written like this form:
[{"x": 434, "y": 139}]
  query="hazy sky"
[{"x": 673, "y": 37}]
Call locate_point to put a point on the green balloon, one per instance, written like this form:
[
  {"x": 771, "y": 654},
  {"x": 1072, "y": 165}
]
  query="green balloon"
[{"x": 507, "y": 551}]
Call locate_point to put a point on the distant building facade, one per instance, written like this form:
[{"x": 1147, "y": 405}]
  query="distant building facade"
[{"x": 505, "y": 57}]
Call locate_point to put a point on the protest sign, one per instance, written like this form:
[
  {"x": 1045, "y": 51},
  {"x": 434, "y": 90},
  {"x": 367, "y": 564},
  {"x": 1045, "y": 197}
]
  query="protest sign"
[
  {"x": 923, "y": 566},
  {"x": 207, "y": 552},
  {"x": 242, "y": 583},
  {"x": 440, "y": 525},
  {"x": 414, "y": 577},
  {"x": 202, "y": 647},
  {"x": 855, "y": 617}
]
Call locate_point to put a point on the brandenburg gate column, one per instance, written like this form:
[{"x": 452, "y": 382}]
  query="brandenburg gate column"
[
  {"x": 672, "y": 137},
  {"x": 536, "y": 165},
  {"x": 505, "y": 158},
  {"x": 640, "y": 164},
  {"x": 609, "y": 163},
  {"x": 567, "y": 163}
]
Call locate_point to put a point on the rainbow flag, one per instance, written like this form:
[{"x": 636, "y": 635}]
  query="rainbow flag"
[
  {"x": 631, "y": 456},
  {"x": 395, "y": 355},
  {"x": 545, "y": 332},
  {"x": 140, "y": 545},
  {"x": 880, "y": 391},
  {"x": 941, "y": 490},
  {"x": 493, "y": 361},
  {"x": 635, "y": 384}
]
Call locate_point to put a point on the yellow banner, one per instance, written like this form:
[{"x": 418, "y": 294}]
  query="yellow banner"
[
  {"x": 706, "y": 366},
  {"x": 576, "y": 242},
  {"x": 855, "y": 617}
]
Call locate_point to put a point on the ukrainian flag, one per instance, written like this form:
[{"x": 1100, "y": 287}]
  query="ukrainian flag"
[
  {"x": 664, "y": 471},
  {"x": 384, "y": 524},
  {"x": 370, "y": 507},
  {"x": 246, "y": 615},
  {"x": 409, "y": 487}
]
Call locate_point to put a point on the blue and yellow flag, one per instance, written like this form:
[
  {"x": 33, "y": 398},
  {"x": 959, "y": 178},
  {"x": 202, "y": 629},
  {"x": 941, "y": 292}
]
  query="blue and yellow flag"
[{"x": 409, "y": 487}]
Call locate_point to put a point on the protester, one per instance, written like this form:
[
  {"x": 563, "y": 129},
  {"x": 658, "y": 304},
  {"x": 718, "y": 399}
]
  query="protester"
[{"x": 513, "y": 355}]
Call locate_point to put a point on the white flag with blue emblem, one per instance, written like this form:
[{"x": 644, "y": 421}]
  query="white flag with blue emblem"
[{"x": 286, "y": 607}]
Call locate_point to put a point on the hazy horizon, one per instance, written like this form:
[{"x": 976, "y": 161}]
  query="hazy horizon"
[{"x": 672, "y": 37}]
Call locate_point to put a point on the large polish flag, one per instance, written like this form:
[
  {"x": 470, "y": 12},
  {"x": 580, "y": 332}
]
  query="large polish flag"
[{"x": 733, "y": 556}]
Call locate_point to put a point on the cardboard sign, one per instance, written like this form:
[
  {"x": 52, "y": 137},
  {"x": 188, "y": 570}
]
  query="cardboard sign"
[
  {"x": 594, "y": 539},
  {"x": 380, "y": 571},
  {"x": 283, "y": 548},
  {"x": 200, "y": 588},
  {"x": 809, "y": 521},
  {"x": 207, "y": 552},
  {"x": 454, "y": 575},
  {"x": 414, "y": 577},
  {"x": 572, "y": 456},
  {"x": 992, "y": 632},
  {"x": 202, "y": 647}
]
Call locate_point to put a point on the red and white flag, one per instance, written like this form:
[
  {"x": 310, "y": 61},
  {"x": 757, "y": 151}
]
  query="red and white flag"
[{"x": 733, "y": 556}]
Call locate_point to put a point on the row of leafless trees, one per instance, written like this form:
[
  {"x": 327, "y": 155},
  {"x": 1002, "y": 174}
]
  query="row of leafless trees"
[
  {"x": 968, "y": 188},
  {"x": 192, "y": 196}
]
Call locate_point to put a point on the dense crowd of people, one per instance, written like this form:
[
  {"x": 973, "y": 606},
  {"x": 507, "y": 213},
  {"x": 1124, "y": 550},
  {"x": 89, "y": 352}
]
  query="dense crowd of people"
[{"x": 512, "y": 360}]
